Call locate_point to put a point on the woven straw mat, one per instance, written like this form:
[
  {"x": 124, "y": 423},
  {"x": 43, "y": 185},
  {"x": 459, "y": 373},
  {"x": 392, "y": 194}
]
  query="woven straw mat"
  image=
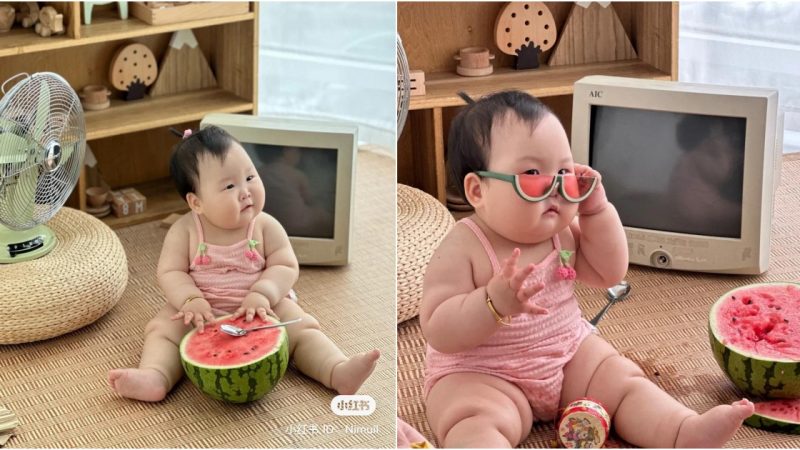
[
  {"x": 422, "y": 222},
  {"x": 58, "y": 387},
  {"x": 81, "y": 278},
  {"x": 662, "y": 326}
]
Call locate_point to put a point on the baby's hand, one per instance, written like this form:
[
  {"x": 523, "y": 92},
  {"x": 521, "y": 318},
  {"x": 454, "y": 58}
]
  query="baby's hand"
[
  {"x": 254, "y": 303},
  {"x": 196, "y": 311},
  {"x": 507, "y": 291},
  {"x": 596, "y": 201}
]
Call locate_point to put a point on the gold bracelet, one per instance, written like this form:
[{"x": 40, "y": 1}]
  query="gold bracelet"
[
  {"x": 505, "y": 321},
  {"x": 190, "y": 298}
]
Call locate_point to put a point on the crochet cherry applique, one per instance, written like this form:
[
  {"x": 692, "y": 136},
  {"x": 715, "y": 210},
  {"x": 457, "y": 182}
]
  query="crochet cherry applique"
[
  {"x": 251, "y": 254},
  {"x": 202, "y": 258},
  {"x": 566, "y": 272}
]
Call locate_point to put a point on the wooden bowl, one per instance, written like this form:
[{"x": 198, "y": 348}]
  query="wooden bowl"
[
  {"x": 474, "y": 58},
  {"x": 97, "y": 196}
]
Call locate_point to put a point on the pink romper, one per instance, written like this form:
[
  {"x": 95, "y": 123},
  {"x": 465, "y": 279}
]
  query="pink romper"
[
  {"x": 225, "y": 273},
  {"x": 532, "y": 352}
]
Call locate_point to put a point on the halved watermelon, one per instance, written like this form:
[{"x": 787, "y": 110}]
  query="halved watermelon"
[
  {"x": 755, "y": 336},
  {"x": 782, "y": 416},
  {"x": 235, "y": 369}
]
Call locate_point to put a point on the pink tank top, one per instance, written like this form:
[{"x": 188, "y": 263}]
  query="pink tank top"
[
  {"x": 225, "y": 274},
  {"x": 533, "y": 350}
]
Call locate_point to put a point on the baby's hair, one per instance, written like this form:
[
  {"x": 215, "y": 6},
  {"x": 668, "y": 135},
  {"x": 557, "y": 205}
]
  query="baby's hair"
[
  {"x": 470, "y": 134},
  {"x": 212, "y": 140}
]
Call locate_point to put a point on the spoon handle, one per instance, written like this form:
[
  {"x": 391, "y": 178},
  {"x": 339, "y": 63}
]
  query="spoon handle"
[
  {"x": 602, "y": 311},
  {"x": 276, "y": 325}
]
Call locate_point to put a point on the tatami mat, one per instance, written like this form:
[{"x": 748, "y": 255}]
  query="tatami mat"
[
  {"x": 663, "y": 326},
  {"x": 58, "y": 387}
]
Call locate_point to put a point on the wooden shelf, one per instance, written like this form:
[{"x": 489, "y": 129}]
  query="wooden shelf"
[
  {"x": 104, "y": 28},
  {"x": 137, "y": 115},
  {"x": 162, "y": 200},
  {"x": 442, "y": 87}
]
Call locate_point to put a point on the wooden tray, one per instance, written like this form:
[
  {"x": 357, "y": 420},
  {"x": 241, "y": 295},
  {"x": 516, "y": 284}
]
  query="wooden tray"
[{"x": 191, "y": 11}]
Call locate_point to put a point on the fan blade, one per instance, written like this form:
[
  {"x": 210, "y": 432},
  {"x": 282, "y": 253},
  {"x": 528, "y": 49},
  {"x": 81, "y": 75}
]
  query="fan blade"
[
  {"x": 42, "y": 113},
  {"x": 20, "y": 195},
  {"x": 13, "y": 149}
]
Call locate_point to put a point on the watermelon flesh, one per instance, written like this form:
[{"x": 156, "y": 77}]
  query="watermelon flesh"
[
  {"x": 755, "y": 337},
  {"x": 777, "y": 415},
  {"x": 762, "y": 320},
  {"x": 235, "y": 369}
]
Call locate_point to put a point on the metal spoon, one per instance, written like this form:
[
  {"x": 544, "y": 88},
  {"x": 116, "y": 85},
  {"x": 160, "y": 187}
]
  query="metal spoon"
[
  {"x": 614, "y": 294},
  {"x": 233, "y": 330}
]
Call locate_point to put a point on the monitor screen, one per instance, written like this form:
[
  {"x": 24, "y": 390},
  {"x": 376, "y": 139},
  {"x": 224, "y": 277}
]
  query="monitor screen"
[
  {"x": 300, "y": 185},
  {"x": 671, "y": 171}
]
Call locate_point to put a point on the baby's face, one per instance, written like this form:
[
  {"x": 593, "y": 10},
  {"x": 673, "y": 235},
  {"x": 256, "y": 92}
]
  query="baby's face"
[
  {"x": 516, "y": 149},
  {"x": 231, "y": 193}
]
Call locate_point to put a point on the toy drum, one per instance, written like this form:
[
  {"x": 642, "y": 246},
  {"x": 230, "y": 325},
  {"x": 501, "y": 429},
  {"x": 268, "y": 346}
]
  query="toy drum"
[{"x": 583, "y": 424}]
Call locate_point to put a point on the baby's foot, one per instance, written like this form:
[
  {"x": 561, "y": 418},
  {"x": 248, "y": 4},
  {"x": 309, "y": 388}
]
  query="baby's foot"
[
  {"x": 349, "y": 375},
  {"x": 714, "y": 427},
  {"x": 147, "y": 385}
]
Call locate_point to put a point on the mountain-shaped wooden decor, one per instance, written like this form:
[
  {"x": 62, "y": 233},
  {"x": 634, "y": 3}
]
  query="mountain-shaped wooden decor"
[
  {"x": 184, "y": 67},
  {"x": 591, "y": 34}
]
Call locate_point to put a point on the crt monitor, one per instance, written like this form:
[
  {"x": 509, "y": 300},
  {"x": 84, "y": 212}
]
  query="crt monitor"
[
  {"x": 691, "y": 169},
  {"x": 308, "y": 171}
]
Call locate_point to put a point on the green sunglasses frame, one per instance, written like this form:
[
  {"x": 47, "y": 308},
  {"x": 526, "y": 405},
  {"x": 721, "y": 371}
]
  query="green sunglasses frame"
[{"x": 557, "y": 180}]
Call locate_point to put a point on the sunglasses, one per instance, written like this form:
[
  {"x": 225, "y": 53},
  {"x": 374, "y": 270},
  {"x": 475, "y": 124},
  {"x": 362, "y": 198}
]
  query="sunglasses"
[{"x": 535, "y": 188}]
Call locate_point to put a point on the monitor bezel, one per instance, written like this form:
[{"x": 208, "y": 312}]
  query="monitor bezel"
[
  {"x": 316, "y": 134},
  {"x": 682, "y": 251}
]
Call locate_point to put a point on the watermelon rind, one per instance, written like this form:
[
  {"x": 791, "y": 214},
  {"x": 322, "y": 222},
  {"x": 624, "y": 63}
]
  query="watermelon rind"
[
  {"x": 243, "y": 383},
  {"x": 755, "y": 375},
  {"x": 775, "y": 424}
]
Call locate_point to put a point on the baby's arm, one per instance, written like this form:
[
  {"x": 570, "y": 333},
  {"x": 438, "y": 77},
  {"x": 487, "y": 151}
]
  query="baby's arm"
[
  {"x": 602, "y": 249},
  {"x": 173, "y": 274},
  {"x": 282, "y": 267}
]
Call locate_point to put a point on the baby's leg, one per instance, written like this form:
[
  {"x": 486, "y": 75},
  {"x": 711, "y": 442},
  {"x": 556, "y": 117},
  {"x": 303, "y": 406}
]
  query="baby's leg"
[
  {"x": 643, "y": 414},
  {"x": 477, "y": 410},
  {"x": 160, "y": 366},
  {"x": 318, "y": 357}
]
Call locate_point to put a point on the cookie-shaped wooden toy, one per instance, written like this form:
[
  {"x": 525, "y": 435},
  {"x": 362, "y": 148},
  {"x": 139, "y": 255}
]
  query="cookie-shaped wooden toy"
[{"x": 133, "y": 68}]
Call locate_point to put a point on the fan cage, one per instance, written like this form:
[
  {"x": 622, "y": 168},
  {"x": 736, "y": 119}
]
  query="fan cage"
[{"x": 403, "y": 87}]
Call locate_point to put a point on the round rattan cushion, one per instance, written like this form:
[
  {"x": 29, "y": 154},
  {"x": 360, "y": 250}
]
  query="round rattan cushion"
[
  {"x": 422, "y": 222},
  {"x": 81, "y": 279}
]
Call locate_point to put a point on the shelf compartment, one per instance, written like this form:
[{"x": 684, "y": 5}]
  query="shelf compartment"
[
  {"x": 148, "y": 113},
  {"x": 104, "y": 28},
  {"x": 442, "y": 87},
  {"x": 162, "y": 200}
]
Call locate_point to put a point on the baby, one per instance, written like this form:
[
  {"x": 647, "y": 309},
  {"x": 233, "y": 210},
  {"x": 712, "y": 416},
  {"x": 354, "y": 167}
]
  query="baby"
[
  {"x": 506, "y": 342},
  {"x": 227, "y": 256}
]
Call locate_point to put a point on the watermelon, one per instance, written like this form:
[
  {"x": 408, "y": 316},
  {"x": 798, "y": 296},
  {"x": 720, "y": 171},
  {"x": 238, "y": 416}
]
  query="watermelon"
[
  {"x": 782, "y": 416},
  {"x": 235, "y": 369},
  {"x": 755, "y": 337}
]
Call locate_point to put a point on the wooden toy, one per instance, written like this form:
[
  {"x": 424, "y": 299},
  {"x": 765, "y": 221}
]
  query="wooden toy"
[
  {"x": 7, "y": 14},
  {"x": 95, "y": 97},
  {"x": 592, "y": 33},
  {"x": 525, "y": 30},
  {"x": 161, "y": 13},
  {"x": 417, "y": 78},
  {"x": 133, "y": 68},
  {"x": 184, "y": 67},
  {"x": 474, "y": 62},
  {"x": 127, "y": 202},
  {"x": 50, "y": 22},
  {"x": 28, "y": 14},
  {"x": 87, "y": 10}
]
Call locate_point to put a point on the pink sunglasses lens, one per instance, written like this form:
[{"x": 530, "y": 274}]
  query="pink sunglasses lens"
[
  {"x": 577, "y": 187},
  {"x": 535, "y": 185}
]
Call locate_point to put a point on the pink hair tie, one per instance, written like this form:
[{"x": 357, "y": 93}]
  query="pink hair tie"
[{"x": 187, "y": 133}]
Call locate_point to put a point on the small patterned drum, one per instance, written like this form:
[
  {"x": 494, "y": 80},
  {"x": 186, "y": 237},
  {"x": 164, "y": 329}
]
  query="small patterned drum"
[{"x": 583, "y": 424}]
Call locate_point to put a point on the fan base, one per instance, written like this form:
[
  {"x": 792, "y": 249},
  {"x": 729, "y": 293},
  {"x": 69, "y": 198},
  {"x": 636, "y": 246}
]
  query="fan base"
[{"x": 25, "y": 245}]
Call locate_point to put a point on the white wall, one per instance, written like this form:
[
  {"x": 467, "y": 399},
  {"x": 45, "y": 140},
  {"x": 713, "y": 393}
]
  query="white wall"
[
  {"x": 748, "y": 44},
  {"x": 330, "y": 60}
]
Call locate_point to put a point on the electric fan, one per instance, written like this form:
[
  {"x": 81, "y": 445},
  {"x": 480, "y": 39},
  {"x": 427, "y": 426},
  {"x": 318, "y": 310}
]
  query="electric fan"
[
  {"x": 403, "y": 87},
  {"x": 42, "y": 142}
]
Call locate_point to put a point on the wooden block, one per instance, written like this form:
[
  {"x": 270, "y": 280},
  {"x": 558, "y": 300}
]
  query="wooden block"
[
  {"x": 127, "y": 202},
  {"x": 183, "y": 68},
  {"x": 187, "y": 12},
  {"x": 592, "y": 34},
  {"x": 417, "y": 78}
]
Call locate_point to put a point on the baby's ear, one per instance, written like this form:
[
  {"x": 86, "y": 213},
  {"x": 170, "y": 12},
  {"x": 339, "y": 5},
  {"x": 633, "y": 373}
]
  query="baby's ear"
[
  {"x": 472, "y": 189},
  {"x": 194, "y": 202}
]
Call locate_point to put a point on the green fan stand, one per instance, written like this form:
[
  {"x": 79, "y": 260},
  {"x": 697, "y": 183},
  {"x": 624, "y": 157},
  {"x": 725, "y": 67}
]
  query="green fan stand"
[{"x": 9, "y": 237}]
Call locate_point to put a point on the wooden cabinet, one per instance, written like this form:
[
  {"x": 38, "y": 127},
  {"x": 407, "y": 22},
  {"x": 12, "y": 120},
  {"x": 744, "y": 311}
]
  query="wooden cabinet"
[
  {"x": 131, "y": 139},
  {"x": 432, "y": 34}
]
